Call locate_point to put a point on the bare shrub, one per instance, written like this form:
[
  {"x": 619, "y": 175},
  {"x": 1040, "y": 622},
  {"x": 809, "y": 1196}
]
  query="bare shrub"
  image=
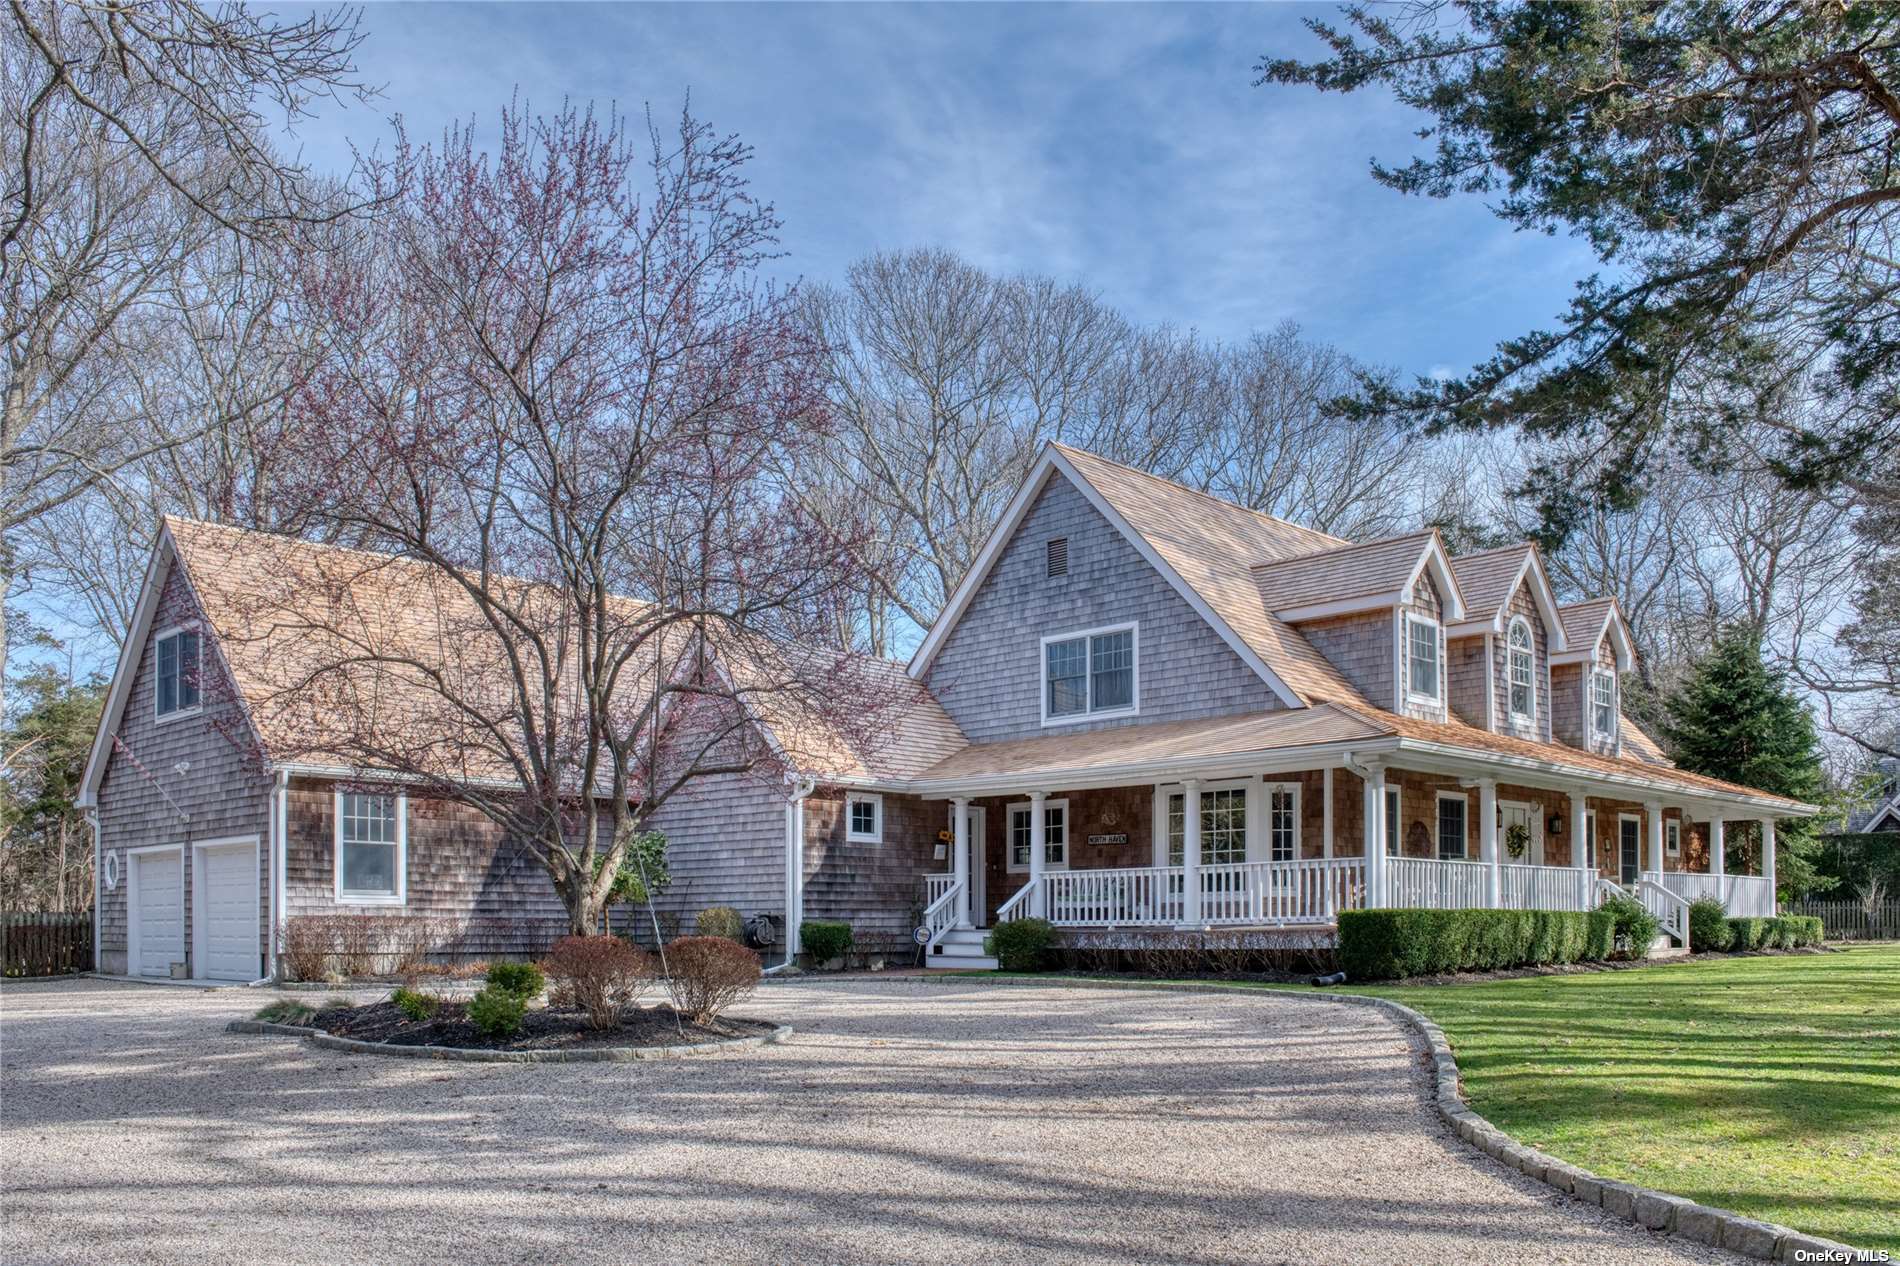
[
  {"x": 1170, "y": 954},
  {"x": 308, "y": 944},
  {"x": 356, "y": 936},
  {"x": 601, "y": 975},
  {"x": 1095, "y": 952},
  {"x": 707, "y": 974},
  {"x": 1230, "y": 953}
]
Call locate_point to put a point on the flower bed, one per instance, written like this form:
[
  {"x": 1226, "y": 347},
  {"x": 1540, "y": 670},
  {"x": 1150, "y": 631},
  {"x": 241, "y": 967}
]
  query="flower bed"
[{"x": 542, "y": 1029}]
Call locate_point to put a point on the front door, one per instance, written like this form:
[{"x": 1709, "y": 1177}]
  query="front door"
[
  {"x": 979, "y": 863},
  {"x": 1512, "y": 815},
  {"x": 1631, "y": 840}
]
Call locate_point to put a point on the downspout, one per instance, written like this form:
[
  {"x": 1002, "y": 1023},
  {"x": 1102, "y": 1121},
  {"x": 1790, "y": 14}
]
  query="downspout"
[
  {"x": 98, "y": 877},
  {"x": 801, "y": 788},
  {"x": 279, "y": 858}
]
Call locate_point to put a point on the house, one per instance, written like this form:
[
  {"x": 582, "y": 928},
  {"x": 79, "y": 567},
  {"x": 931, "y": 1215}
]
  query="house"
[
  {"x": 1879, "y": 814},
  {"x": 1142, "y": 708}
]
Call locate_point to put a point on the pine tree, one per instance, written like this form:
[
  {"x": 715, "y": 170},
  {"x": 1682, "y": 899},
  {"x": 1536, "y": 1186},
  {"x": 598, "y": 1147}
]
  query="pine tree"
[{"x": 1735, "y": 718}]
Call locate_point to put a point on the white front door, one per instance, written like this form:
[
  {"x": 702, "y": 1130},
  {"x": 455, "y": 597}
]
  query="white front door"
[
  {"x": 155, "y": 917},
  {"x": 226, "y": 926},
  {"x": 1514, "y": 813}
]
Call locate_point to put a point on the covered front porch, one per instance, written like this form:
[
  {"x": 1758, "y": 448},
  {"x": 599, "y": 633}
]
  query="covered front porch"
[{"x": 1280, "y": 848}]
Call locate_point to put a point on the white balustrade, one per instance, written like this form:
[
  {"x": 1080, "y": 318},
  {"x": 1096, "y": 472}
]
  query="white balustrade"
[
  {"x": 1148, "y": 896},
  {"x": 1307, "y": 891},
  {"x": 1547, "y": 888},
  {"x": 941, "y": 915},
  {"x": 1743, "y": 896},
  {"x": 1435, "y": 883},
  {"x": 935, "y": 886}
]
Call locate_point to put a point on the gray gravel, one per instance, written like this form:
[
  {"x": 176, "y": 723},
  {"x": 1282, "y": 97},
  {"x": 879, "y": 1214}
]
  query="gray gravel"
[{"x": 903, "y": 1122}]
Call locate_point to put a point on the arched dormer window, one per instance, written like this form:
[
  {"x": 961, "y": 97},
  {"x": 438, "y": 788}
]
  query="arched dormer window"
[{"x": 1523, "y": 671}]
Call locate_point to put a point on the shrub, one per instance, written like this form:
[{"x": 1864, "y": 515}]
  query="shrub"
[
  {"x": 497, "y": 1012},
  {"x": 707, "y": 974},
  {"x": 524, "y": 980},
  {"x": 1390, "y": 944},
  {"x": 1636, "y": 927},
  {"x": 1169, "y": 955},
  {"x": 1021, "y": 945},
  {"x": 1809, "y": 930},
  {"x": 602, "y": 975},
  {"x": 285, "y": 1011},
  {"x": 1748, "y": 933},
  {"x": 720, "y": 921},
  {"x": 1708, "y": 926},
  {"x": 416, "y": 1005},
  {"x": 308, "y": 945},
  {"x": 823, "y": 940}
]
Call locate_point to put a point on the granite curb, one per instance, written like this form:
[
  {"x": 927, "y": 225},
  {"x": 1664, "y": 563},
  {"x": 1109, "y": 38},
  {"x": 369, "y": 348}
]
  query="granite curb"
[{"x": 590, "y": 1055}]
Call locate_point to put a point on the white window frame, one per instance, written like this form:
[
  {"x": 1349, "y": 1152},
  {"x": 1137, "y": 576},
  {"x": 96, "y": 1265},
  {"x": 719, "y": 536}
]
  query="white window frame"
[
  {"x": 1438, "y": 844},
  {"x": 1394, "y": 821},
  {"x": 1009, "y": 836},
  {"x": 1412, "y": 695},
  {"x": 1672, "y": 837},
  {"x": 1591, "y": 702},
  {"x": 1267, "y": 791},
  {"x": 1529, "y": 715},
  {"x": 177, "y": 714},
  {"x": 401, "y": 896},
  {"x": 1089, "y": 712},
  {"x": 851, "y": 833}
]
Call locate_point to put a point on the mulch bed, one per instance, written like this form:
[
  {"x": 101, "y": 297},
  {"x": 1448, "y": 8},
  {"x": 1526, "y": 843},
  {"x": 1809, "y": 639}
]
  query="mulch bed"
[{"x": 542, "y": 1029}]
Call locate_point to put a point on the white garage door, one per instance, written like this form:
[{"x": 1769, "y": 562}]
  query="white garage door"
[
  {"x": 158, "y": 910},
  {"x": 228, "y": 944}
]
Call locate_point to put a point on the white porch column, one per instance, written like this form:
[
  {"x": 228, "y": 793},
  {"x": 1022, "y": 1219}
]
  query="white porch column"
[
  {"x": 1038, "y": 850},
  {"x": 1768, "y": 861},
  {"x": 1580, "y": 849},
  {"x": 1374, "y": 784},
  {"x": 1191, "y": 852},
  {"x": 1652, "y": 825},
  {"x": 960, "y": 850},
  {"x": 1718, "y": 849},
  {"x": 1326, "y": 814},
  {"x": 1488, "y": 842}
]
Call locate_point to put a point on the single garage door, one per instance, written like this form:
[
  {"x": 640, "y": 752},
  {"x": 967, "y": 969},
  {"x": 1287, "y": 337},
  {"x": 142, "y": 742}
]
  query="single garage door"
[
  {"x": 158, "y": 912},
  {"x": 228, "y": 942}
]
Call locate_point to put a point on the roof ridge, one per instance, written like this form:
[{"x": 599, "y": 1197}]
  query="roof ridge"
[
  {"x": 1495, "y": 549},
  {"x": 1341, "y": 549},
  {"x": 1197, "y": 492}
]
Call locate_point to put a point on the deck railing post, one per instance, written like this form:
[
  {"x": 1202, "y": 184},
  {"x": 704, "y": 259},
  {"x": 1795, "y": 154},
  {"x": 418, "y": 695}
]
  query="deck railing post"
[
  {"x": 1488, "y": 842},
  {"x": 1191, "y": 852},
  {"x": 1580, "y": 848},
  {"x": 1038, "y": 851},
  {"x": 1373, "y": 782},
  {"x": 961, "y": 852},
  {"x": 1653, "y": 824},
  {"x": 1768, "y": 861}
]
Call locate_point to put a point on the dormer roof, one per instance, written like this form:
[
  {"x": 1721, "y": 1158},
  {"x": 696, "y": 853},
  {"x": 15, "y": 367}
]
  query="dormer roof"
[
  {"x": 1586, "y": 624},
  {"x": 1490, "y": 578},
  {"x": 1353, "y": 578}
]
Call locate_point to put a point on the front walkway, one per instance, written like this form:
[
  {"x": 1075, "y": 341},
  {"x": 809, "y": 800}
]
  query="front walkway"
[{"x": 906, "y": 1121}]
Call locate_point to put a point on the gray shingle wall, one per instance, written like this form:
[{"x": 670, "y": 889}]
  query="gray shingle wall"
[
  {"x": 1523, "y": 604},
  {"x": 876, "y": 888},
  {"x": 224, "y": 792},
  {"x": 1567, "y": 703},
  {"x": 1426, "y": 600},
  {"x": 1465, "y": 671},
  {"x": 1360, "y": 647},
  {"x": 988, "y": 673},
  {"x": 725, "y": 846},
  {"x": 1606, "y": 744}
]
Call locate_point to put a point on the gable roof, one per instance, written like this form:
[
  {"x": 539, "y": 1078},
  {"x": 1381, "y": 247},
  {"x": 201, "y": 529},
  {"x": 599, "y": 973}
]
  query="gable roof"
[
  {"x": 1490, "y": 579},
  {"x": 1357, "y": 578},
  {"x": 1586, "y": 624}
]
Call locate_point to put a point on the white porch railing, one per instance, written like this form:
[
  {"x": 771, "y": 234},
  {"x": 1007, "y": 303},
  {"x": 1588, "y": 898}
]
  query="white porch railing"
[
  {"x": 1435, "y": 883},
  {"x": 1147, "y": 896},
  {"x": 1018, "y": 905},
  {"x": 1744, "y": 896},
  {"x": 941, "y": 914},
  {"x": 1307, "y": 891},
  {"x": 935, "y": 886},
  {"x": 1669, "y": 907},
  {"x": 1546, "y": 887}
]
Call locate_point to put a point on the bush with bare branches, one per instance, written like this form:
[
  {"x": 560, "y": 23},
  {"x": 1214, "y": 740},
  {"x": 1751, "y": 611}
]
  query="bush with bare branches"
[
  {"x": 601, "y": 975},
  {"x": 707, "y": 974}
]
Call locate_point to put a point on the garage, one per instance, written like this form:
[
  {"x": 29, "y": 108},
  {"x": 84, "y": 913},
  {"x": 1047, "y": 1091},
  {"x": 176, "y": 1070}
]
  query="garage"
[
  {"x": 155, "y": 910},
  {"x": 224, "y": 909}
]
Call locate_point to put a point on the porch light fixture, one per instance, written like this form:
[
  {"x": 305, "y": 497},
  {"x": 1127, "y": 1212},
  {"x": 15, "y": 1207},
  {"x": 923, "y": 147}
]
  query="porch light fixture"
[{"x": 1554, "y": 825}]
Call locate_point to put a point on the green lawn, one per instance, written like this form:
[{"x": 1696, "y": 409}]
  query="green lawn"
[{"x": 1770, "y": 1086}]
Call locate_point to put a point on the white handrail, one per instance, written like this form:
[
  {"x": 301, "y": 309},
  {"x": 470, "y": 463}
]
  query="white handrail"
[
  {"x": 941, "y": 915},
  {"x": 1668, "y": 907},
  {"x": 1017, "y": 905}
]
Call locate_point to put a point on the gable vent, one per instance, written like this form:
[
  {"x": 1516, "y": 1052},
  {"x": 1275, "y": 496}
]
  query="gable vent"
[{"x": 1059, "y": 556}]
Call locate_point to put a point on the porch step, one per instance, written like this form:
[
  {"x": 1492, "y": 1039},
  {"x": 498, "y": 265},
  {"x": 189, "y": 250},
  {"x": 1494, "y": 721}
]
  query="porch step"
[{"x": 961, "y": 950}]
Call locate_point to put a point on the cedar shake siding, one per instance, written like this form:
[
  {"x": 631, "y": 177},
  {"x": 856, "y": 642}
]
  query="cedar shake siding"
[
  {"x": 1465, "y": 671},
  {"x": 1605, "y": 744},
  {"x": 460, "y": 868},
  {"x": 725, "y": 846},
  {"x": 224, "y": 793},
  {"x": 1523, "y": 604},
  {"x": 1567, "y": 684},
  {"x": 1360, "y": 647},
  {"x": 988, "y": 674},
  {"x": 1425, "y": 600},
  {"x": 876, "y": 888}
]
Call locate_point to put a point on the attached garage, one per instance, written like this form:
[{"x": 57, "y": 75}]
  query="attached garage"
[
  {"x": 155, "y": 909},
  {"x": 226, "y": 930}
]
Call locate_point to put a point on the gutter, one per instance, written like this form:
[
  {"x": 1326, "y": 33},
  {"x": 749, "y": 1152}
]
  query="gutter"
[
  {"x": 1674, "y": 791},
  {"x": 801, "y": 788},
  {"x": 91, "y": 813},
  {"x": 279, "y": 859}
]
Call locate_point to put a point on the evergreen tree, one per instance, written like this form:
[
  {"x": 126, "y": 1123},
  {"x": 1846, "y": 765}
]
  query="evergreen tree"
[
  {"x": 1735, "y": 718},
  {"x": 45, "y": 846}
]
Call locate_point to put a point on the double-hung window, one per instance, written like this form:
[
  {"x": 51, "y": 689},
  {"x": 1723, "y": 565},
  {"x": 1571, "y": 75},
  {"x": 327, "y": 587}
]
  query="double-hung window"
[
  {"x": 1451, "y": 825},
  {"x": 1423, "y": 661},
  {"x": 1672, "y": 837},
  {"x": 1602, "y": 704},
  {"x": 1223, "y": 826},
  {"x": 1392, "y": 840},
  {"x": 1055, "y": 835},
  {"x": 371, "y": 846},
  {"x": 1283, "y": 823},
  {"x": 180, "y": 653},
  {"x": 1089, "y": 675},
  {"x": 864, "y": 819},
  {"x": 1522, "y": 671}
]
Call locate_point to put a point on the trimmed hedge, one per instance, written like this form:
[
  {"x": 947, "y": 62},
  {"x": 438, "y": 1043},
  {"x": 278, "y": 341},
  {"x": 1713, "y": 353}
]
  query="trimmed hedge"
[
  {"x": 1391, "y": 944},
  {"x": 1787, "y": 931},
  {"x": 823, "y": 940},
  {"x": 1021, "y": 944},
  {"x": 1708, "y": 925}
]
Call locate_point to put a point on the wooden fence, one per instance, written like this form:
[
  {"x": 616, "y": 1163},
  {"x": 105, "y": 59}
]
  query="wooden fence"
[
  {"x": 1853, "y": 921},
  {"x": 45, "y": 944}
]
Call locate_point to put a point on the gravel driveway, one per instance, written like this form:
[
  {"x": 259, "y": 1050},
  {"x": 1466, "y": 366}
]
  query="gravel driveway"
[{"x": 904, "y": 1122}]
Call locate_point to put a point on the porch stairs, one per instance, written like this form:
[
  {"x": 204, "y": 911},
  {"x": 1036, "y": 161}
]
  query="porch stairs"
[{"x": 961, "y": 949}]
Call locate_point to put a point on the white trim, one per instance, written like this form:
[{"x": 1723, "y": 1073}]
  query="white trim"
[
  {"x": 1542, "y": 595},
  {"x": 1265, "y": 831},
  {"x": 401, "y": 896},
  {"x": 1087, "y": 637},
  {"x": 1247, "y": 784},
  {"x": 1490, "y": 683},
  {"x": 1405, "y": 653},
  {"x": 876, "y": 834},
  {"x": 1451, "y": 597},
  {"x": 1672, "y": 837},
  {"x": 1009, "y": 835},
  {"x": 1053, "y": 460},
  {"x": 1533, "y": 851},
  {"x": 1529, "y": 717},
  {"x": 178, "y": 714},
  {"x": 164, "y": 554},
  {"x": 1340, "y": 606},
  {"x": 1618, "y": 633},
  {"x": 1591, "y": 733},
  {"x": 1394, "y": 808},
  {"x": 1438, "y": 844},
  {"x": 132, "y": 928},
  {"x": 199, "y": 921},
  {"x": 1621, "y": 818}
]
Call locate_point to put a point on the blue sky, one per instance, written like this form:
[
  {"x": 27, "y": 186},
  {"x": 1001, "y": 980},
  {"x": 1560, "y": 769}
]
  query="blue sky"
[{"x": 1119, "y": 146}]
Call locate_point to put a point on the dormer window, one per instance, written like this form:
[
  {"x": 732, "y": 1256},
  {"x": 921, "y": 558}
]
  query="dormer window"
[
  {"x": 1522, "y": 672},
  {"x": 1602, "y": 704},
  {"x": 179, "y": 666},
  {"x": 1090, "y": 674},
  {"x": 1424, "y": 659}
]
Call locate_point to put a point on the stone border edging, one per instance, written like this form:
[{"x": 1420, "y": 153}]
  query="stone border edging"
[
  {"x": 463, "y": 1054},
  {"x": 1645, "y": 1206}
]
